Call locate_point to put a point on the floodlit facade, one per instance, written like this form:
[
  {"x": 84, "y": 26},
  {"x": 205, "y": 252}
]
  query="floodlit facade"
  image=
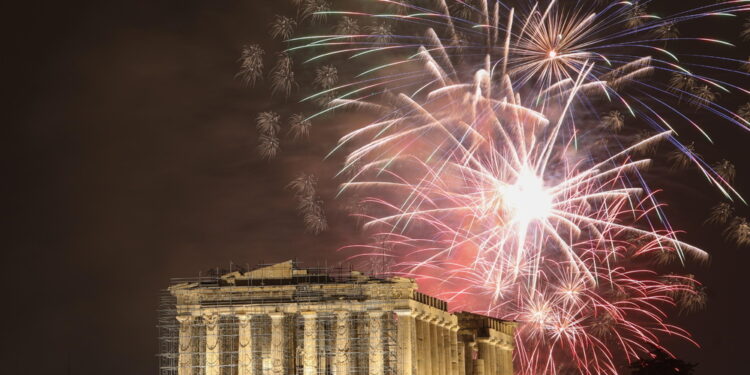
[{"x": 282, "y": 320}]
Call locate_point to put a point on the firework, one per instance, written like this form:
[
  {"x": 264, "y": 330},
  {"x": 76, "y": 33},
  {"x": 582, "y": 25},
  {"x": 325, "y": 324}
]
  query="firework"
[
  {"x": 744, "y": 113},
  {"x": 268, "y": 128},
  {"x": 282, "y": 75},
  {"x": 484, "y": 177},
  {"x": 326, "y": 78},
  {"x": 347, "y": 26},
  {"x": 681, "y": 159},
  {"x": 726, "y": 170},
  {"x": 702, "y": 96},
  {"x": 614, "y": 121},
  {"x": 310, "y": 206},
  {"x": 283, "y": 27},
  {"x": 738, "y": 231},
  {"x": 268, "y": 123},
  {"x": 720, "y": 214},
  {"x": 495, "y": 197},
  {"x": 299, "y": 126},
  {"x": 313, "y": 9},
  {"x": 251, "y": 69},
  {"x": 667, "y": 31},
  {"x": 689, "y": 294}
]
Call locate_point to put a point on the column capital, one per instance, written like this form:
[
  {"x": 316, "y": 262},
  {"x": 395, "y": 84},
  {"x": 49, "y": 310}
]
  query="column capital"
[
  {"x": 276, "y": 315},
  {"x": 244, "y": 317},
  {"x": 309, "y": 314},
  {"x": 342, "y": 313},
  {"x": 211, "y": 318},
  {"x": 375, "y": 313},
  {"x": 185, "y": 319},
  {"x": 405, "y": 312}
]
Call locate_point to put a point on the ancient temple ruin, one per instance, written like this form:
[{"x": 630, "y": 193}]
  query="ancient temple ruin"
[{"x": 281, "y": 320}]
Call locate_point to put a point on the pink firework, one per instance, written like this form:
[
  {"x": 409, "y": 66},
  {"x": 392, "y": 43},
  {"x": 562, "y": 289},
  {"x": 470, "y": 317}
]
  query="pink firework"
[
  {"x": 485, "y": 179},
  {"x": 488, "y": 203}
]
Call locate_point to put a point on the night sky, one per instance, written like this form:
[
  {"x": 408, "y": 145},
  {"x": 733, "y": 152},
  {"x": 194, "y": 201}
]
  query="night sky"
[{"x": 131, "y": 161}]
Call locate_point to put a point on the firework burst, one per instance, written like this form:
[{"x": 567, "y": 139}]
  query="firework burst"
[
  {"x": 489, "y": 176},
  {"x": 493, "y": 195}
]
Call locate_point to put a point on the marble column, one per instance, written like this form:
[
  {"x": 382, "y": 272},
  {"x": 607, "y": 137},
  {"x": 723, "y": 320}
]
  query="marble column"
[
  {"x": 186, "y": 346},
  {"x": 213, "y": 344},
  {"x": 484, "y": 355},
  {"x": 405, "y": 342},
  {"x": 422, "y": 344},
  {"x": 310, "y": 342},
  {"x": 435, "y": 343},
  {"x": 442, "y": 356},
  {"x": 246, "y": 349},
  {"x": 455, "y": 355},
  {"x": 493, "y": 363},
  {"x": 446, "y": 355},
  {"x": 479, "y": 366},
  {"x": 278, "y": 344},
  {"x": 507, "y": 358},
  {"x": 460, "y": 348},
  {"x": 499, "y": 359},
  {"x": 375, "y": 334},
  {"x": 414, "y": 343},
  {"x": 341, "y": 357}
]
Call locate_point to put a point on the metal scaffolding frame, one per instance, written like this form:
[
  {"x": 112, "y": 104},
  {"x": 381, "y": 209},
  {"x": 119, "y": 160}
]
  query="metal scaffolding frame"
[{"x": 340, "y": 279}]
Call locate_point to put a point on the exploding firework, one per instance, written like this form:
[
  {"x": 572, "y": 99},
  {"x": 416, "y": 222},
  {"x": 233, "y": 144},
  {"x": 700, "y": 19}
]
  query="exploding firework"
[
  {"x": 491, "y": 198},
  {"x": 251, "y": 69},
  {"x": 309, "y": 204},
  {"x": 720, "y": 214},
  {"x": 489, "y": 176}
]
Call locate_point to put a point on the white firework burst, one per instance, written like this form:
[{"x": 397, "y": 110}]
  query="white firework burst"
[
  {"x": 726, "y": 170},
  {"x": 315, "y": 10},
  {"x": 268, "y": 123},
  {"x": 268, "y": 146},
  {"x": 299, "y": 126},
  {"x": 614, "y": 121},
  {"x": 347, "y": 26},
  {"x": 282, "y": 76},
  {"x": 744, "y": 113},
  {"x": 703, "y": 96},
  {"x": 283, "y": 27},
  {"x": 738, "y": 231},
  {"x": 382, "y": 33},
  {"x": 720, "y": 213},
  {"x": 251, "y": 68},
  {"x": 667, "y": 30},
  {"x": 683, "y": 158}
]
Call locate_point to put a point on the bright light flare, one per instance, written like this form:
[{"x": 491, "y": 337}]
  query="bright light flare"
[{"x": 526, "y": 199}]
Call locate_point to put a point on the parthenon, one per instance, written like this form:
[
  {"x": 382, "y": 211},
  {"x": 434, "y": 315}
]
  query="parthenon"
[{"x": 281, "y": 320}]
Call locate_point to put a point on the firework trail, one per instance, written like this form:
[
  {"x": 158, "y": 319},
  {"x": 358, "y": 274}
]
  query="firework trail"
[{"x": 491, "y": 175}]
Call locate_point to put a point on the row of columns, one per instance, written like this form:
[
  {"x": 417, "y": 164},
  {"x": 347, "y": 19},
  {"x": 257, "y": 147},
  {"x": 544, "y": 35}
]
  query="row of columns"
[
  {"x": 437, "y": 351},
  {"x": 277, "y": 363},
  {"x": 496, "y": 357},
  {"x": 426, "y": 345}
]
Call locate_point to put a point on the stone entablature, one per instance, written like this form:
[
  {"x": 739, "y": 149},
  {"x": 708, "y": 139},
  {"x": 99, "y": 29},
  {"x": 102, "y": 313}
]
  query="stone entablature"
[{"x": 283, "y": 320}]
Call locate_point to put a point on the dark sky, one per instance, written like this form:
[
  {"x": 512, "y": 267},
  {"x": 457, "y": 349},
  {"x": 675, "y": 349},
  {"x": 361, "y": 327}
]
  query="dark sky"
[{"x": 131, "y": 161}]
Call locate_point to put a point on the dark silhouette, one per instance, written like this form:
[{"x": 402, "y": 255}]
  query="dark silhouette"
[{"x": 658, "y": 362}]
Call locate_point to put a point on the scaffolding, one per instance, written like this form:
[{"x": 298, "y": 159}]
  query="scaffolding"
[{"x": 198, "y": 346}]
